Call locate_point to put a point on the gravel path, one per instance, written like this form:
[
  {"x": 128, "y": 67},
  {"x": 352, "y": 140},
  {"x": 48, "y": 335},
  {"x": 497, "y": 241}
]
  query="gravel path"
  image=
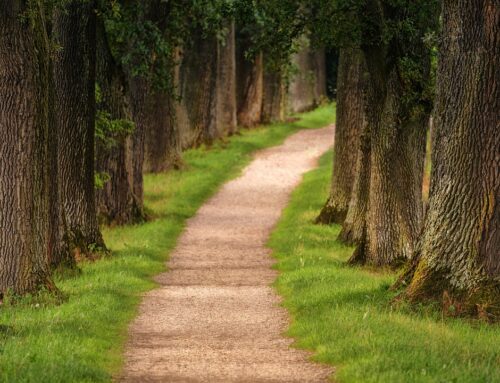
[{"x": 215, "y": 317}]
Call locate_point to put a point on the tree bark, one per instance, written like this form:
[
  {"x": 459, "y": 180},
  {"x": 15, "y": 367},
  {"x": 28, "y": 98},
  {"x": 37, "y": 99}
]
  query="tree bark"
[
  {"x": 354, "y": 227},
  {"x": 457, "y": 258},
  {"x": 116, "y": 202},
  {"x": 226, "y": 83},
  {"x": 349, "y": 123},
  {"x": 74, "y": 76},
  {"x": 162, "y": 146},
  {"x": 319, "y": 64},
  {"x": 273, "y": 97},
  {"x": 394, "y": 215},
  {"x": 302, "y": 87},
  {"x": 25, "y": 187},
  {"x": 198, "y": 92},
  {"x": 138, "y": 91},
  {"x": 250, "y": 82}
]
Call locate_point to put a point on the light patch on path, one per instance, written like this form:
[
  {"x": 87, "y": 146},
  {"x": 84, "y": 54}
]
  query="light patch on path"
[{"x": 215, "y": 317}]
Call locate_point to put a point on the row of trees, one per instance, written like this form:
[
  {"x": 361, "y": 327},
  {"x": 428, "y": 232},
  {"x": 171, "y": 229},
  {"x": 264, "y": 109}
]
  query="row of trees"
[
  {"x": 388, "y": 89},
  {"x": 128, "y": 85},
  {"x": 93, "y": 93}
]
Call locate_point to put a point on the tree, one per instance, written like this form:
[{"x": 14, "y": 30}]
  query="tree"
[
  {"x": 273, "y": 95},
  {"x": 394, "y": 39},
  {"x": 457, "y": 258},
  {"x": 226, "y": 81},
  {"x": 198, "y": 91},
  {"x": 74, "y": 31},
  {"x": 349, "y": 123},
  {"x": 26, "y": 237},
  {"x": 249, "y": 73},
  {"x": 116, "y": 202}
]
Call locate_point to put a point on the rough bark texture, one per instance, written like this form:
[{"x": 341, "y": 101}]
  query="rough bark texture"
[
  {"x": 162, "y": 146},
  {"x": 458, "y": 256},
  {"x": 74, "y": 77},
  {"x": 354, "y": 226},
  {"x": 394, "y": 215},
  {"x": 226, "y": 83},
  {"x": 138, "y": 91},
  {"x": 250, "y": 81},
  {"x": 25, "y": 235},
  {"x": 116, "y": 202},
  {"x": 349, "y": 123},
  {"x": 197, "y": 83},
  {"x": 274, "y": 97}
]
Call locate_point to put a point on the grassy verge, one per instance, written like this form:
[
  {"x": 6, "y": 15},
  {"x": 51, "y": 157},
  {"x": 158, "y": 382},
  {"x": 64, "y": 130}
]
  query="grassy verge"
[
  {"x": 81, "y": 340},
  {"x": 344, "y": 314}
]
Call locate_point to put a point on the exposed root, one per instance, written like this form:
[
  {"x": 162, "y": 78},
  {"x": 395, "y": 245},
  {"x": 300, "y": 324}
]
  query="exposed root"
[{"x": 331, "y": 214}]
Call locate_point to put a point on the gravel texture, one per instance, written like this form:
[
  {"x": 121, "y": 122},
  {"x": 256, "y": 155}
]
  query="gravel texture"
[{"x": 214, "y": 317}]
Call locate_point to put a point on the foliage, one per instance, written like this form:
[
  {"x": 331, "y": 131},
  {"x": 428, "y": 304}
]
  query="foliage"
[
  {"x": 345, "y": 316},
  {"x": 145, "y": 36},
  {"x": 82, "y": 339},
  {"x": 272, "y": 27}
]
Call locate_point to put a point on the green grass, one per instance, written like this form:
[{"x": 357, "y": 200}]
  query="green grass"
[
  {"x": 344, "y": 314},
  {"x": 81, "y": 340}
]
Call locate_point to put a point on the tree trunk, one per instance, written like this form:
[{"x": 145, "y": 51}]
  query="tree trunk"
[
  {"x": 319, "y": 64},
  {"x": 350, "y": 120},
  {"x": 273, "y": 97},
  {"x": 302, "y": 88},
  {"x": 116, "y": 202},
  {"x": 394, "y": 215},
  {"x": 226, "y": 84},
  {"x": 198, "y": 92},
  {"x": 250, "y": 76},
  {"x": 458, "y": 257},
  {"x": 162, "y": 147},
  {"x": 354, "y": 227},
  {"x": 25, "y": 187},
  {"x": 74, "y": 77}
]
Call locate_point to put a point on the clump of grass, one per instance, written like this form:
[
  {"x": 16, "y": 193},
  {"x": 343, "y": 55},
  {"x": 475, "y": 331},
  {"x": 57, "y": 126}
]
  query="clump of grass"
[
  {"x": 344, "y": 314},
  {"x": 81, "y": 338}
]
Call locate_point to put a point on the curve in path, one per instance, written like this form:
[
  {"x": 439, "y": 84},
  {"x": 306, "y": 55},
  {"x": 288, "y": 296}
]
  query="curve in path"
[{"x": 215, "y": 317}]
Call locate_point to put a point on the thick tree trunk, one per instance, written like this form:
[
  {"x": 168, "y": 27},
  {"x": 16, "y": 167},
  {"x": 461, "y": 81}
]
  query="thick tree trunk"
[
  {"x": 197, "y": 80},
  {"x": 226, "y": 83},
  {"x": 354, "y": 226},
  {"x": 162, "y": 146},
  {"x": 116, "y": 203},
  {"x": 25, "y": 186},
  {"x": 250, "y": 82},
  {"x": 458, "y": 257},
  {"x": 74, "y": 77},
  {"x": 273, "y": 98},
  {"x": 138, "y": 101},
  {"x": 394, "y": 215},
  {"x": 349, "y": 123}
]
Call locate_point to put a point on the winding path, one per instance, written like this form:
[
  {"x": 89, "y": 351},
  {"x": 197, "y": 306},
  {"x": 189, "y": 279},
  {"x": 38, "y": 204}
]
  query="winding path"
[{"x": 215, "y": 317}]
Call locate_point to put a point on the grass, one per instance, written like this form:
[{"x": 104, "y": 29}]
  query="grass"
[
  {"x": 344, "y": 314},
  {"x": 82, "y": 339}
]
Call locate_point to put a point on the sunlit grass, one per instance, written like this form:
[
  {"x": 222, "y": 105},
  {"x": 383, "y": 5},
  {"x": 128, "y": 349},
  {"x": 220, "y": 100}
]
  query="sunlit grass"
[
  {"x": 81, "y": 340},
  {"x": 345, "y": 315}
]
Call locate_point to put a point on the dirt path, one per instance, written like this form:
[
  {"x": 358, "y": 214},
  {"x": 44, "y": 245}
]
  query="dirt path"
[{"x": 215, "y": 317}]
